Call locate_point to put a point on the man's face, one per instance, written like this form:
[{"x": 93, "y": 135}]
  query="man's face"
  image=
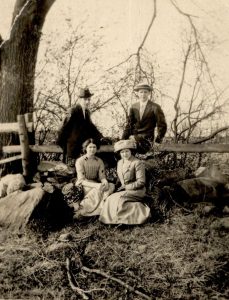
[
  {"x": 143, "y": 95},
  {"x": 85, "y": 103}
]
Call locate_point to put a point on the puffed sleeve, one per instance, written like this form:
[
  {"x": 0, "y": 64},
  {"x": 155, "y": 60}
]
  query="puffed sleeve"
[
  {"x": 80, "y": 171},
  {"x": 102, "y": 174},
  {"x": 140, "y": 177}
]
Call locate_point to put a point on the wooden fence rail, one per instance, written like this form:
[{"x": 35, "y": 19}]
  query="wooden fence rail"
[
  {"x": 186, "y": 148},
  {"x": 24, "y": 126}
]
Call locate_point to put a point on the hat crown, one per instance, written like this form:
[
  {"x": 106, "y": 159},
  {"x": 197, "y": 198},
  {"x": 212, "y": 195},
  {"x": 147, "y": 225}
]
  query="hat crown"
[
  {"x": 144, "y": 86},
  {"x": 124, "y": 144},
  {"x": 85, "y": 93}
]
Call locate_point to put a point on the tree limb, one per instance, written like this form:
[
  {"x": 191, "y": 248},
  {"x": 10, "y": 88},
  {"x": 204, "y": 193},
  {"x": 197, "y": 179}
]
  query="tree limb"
[
  {"x": 137, "y": 54},
  {"x": 211, "y": 136},
  {"x": 189, "y": 17},
  {"x": 179, "y": 92}
]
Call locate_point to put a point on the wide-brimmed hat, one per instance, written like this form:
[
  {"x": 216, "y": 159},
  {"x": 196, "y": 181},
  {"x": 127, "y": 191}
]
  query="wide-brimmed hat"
[
  {"x": 124, "y": 144},
  {"x": 143, "y": 86},
  {"x": 85, "y": 93}
]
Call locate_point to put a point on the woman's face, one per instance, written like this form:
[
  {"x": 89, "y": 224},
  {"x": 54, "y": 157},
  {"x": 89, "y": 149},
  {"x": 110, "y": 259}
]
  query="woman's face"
[
  {"x": 91, "y": 149},
  {"x": 125, "y": 154}
]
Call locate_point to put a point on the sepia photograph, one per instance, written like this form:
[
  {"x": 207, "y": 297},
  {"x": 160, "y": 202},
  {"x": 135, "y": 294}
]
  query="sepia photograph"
[{"x": 114, "y": 149}]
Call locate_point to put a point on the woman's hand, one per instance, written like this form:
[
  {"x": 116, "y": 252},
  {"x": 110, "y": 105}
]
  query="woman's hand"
[
  {"x": 104, "y": 185},
  {"x": 121, "y": 188}
]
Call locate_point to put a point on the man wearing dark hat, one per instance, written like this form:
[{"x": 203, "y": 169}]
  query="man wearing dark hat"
[
  {"x": 144, "y": 117},
  {"x": 77, "y": 127}
]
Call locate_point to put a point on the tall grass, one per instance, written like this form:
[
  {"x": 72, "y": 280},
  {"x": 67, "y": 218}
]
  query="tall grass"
[{"x": 182, "y": 258}]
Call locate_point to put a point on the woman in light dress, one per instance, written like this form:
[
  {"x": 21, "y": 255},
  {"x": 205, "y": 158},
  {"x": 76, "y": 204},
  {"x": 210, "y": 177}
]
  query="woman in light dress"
[
  {"x": 91, "y": 174},
  {"x": 126, "y": 206}
]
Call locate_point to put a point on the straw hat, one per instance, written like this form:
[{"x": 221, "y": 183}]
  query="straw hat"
[{"x": 124, "y": 144}]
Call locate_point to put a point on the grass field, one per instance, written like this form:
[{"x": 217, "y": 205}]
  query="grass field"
[{"x": 184, "y": 257}]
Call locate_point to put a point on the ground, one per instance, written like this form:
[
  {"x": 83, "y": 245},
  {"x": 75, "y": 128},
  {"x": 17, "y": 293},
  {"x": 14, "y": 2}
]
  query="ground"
[{"x": 184, "y": 257}]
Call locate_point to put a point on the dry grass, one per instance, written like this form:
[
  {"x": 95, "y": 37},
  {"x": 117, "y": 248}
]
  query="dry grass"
[{"x": 182, "y": 258}]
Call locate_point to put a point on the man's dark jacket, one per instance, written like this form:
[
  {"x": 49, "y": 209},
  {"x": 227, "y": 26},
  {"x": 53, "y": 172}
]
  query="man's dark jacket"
[
  {"x": 153, "y": 117},
  {"x": 75, "y": 130}
]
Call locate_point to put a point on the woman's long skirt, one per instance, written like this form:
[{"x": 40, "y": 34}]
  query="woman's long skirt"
[
  {"x": 93, "y": 201},
  {"x": 125, "y": 207}
]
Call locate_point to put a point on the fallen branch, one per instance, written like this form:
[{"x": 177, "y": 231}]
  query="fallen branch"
[
  {"x": 127, "y": 286},
  {"x": 72, "y": 281}
]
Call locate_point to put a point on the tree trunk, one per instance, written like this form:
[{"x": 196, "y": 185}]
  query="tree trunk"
[{"x": 18, "y": 56}]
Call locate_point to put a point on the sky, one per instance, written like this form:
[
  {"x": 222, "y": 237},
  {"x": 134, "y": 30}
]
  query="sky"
[{"x": 124, "y": 23}]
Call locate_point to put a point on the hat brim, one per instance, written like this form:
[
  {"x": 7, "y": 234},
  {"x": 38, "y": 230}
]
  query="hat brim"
[
  {"x": 86, "y": 96},
  {"x": 130, "y": 148},
  {"x": 143, "y": 88},
  {"x": 124, "y": 146}
]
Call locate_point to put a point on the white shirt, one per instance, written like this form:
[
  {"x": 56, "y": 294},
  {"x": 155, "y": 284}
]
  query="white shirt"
[
  {"x": 142, "y": 108},
  {"x": 84, "y": 111}
]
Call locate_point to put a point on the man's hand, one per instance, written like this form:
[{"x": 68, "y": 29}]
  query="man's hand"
[{"x": 131, "y": 137}]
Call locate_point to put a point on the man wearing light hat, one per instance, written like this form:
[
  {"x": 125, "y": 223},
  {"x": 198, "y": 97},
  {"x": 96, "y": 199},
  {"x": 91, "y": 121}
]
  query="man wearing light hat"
[
  {"x": 77, "y": 126},
  {"x": 144, "y": 117}
]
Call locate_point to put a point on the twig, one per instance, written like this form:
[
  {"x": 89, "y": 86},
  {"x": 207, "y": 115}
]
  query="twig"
[
  {"x": 72, "y": 282},
  {"x": 127, "y": 286}
]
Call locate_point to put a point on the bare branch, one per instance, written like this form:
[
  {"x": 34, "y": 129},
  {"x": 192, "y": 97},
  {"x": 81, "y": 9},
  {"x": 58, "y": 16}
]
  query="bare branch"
[
  {"x": 189, "y": 17},
  {"x": 174, "y": 124},
  {"x": 137, "y": 54},
  {"x": 200, "y": 119},
  {"x": 212, "y": 135},
  {"x": 119, "y": 281},
  {"x": 150, "y": 25}
]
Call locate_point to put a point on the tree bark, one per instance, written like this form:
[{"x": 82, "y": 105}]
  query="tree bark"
[{"x": 18, "y": 56}]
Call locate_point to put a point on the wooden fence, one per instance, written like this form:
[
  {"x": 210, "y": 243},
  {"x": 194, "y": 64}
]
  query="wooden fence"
[{"x": 24, "y": 126}]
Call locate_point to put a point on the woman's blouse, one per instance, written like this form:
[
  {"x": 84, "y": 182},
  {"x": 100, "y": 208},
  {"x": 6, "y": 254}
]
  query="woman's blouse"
[
  {"x": 90, "y": 169},
  {"x": 131, "y": 174}
]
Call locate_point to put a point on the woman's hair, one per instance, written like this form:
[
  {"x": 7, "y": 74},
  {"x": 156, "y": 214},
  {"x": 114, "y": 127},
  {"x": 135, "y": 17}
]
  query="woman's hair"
[
  {"x": 89, "y": 141},
  {"x": 133, "y": 152}
]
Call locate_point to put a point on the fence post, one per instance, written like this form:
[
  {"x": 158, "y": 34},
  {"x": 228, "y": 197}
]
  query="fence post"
[
  {"x": 34, "y": 157},
  {"x": 31, "y": 135},
  {"x": 24, "y": 142}
]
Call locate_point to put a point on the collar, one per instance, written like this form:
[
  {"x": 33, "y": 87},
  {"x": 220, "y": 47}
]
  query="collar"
[
  {"x": 87, "y": 158},
  {"x": 143, "y": 104},
  {"x": 129, "y": 160}
]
